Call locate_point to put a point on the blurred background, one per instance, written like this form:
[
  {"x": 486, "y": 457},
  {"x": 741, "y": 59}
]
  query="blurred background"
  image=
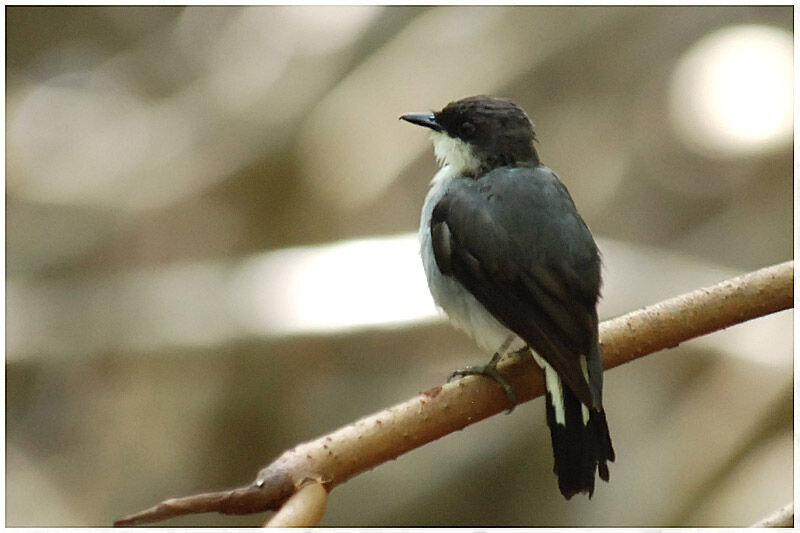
[{"x": 211, "y": 252}]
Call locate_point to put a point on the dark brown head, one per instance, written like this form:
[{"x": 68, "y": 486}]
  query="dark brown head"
[{"x": 479, "y": 133}]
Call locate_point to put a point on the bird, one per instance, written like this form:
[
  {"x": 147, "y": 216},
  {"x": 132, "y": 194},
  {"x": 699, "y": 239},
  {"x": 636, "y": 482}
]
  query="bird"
[{"x": 510, "y": 261}]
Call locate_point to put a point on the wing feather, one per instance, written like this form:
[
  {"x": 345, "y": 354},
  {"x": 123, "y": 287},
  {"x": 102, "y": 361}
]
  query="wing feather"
[{"x": 514, "y": 239}]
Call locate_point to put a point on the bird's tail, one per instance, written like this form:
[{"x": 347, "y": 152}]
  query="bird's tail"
[{"x": 579, "y": 449}]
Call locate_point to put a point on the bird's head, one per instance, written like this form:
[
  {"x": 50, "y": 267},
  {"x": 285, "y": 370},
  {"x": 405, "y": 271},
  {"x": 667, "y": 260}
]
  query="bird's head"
[{"x": 479, "y": 133}]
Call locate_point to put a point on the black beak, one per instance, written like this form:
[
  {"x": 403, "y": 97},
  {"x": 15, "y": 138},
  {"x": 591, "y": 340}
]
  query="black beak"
[{"x": 427, "y": 120}]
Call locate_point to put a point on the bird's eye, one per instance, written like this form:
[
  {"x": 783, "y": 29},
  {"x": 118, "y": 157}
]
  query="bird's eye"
[{"x": 467, "y": 129}]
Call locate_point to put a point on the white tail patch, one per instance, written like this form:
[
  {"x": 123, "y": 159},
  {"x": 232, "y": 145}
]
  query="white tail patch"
[
  {"x": 553, "y": 384},
  {"x": 585, "y": 370}
]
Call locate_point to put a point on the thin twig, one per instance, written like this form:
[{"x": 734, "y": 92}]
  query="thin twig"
[
  {"x": 304, "y": 508},
  {"x": 783, "y": 517},
  {"x": 366, "y": 443}
]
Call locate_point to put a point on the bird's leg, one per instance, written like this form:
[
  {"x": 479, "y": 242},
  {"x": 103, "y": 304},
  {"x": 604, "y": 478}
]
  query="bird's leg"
[
  {"x": 521, "y": 353},
  {"x": 490, "y": 370}
]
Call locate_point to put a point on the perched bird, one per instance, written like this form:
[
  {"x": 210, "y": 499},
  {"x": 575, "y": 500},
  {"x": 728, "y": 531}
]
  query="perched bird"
[{"x": 512, "y": 263}]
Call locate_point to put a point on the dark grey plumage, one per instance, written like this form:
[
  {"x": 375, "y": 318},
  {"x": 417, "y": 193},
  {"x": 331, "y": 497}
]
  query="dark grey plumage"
[
  {"x": 506, "y": 253},
  {"x": 499, "y": 244},
  {"x": 547, "y": 294}
]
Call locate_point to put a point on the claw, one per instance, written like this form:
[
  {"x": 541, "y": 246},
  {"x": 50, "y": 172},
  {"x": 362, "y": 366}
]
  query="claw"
[{"x": 490, "y": 371}]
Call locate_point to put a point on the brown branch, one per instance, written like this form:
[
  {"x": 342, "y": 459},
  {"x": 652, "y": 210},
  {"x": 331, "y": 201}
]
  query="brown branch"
[
  {"x": 304, "y": 508},
  {"x": 366, "y": 443}
]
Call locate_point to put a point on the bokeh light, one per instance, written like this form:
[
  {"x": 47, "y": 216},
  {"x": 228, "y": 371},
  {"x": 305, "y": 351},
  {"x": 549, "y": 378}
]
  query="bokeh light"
[
  {"x": 340, "y": 286},
  {"x": 732, "y": 92}
]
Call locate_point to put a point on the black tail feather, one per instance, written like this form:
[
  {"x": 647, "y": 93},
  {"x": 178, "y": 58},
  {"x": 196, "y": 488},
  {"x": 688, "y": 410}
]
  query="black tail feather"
[{"x": 579, "y": 450}]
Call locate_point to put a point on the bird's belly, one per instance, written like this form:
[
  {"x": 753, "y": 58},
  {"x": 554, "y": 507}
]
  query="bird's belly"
[
  {"x": 466, "y": 312},
  {"x": 461, "y": 307}
]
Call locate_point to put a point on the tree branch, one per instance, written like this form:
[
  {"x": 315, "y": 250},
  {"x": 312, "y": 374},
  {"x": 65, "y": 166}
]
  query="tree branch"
[
  {"x": 783, "y": 517},
  {"x": 304, "y": 508},
  {"x": 374, "y": 439}
]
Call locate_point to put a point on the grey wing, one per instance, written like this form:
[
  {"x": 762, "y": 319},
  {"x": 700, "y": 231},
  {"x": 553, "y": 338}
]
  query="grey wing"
[{"x": 515, "y": 240}]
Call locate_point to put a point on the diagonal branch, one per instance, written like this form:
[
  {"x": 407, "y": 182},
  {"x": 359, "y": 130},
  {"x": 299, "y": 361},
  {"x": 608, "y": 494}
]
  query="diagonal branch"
[
  {"x": 304, "y": 508},
  {"x": 783, "y": 517},
  {"x": 366, "y": 443}
]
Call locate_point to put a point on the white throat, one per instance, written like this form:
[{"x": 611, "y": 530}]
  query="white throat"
[{"x": 454, "y": 153}]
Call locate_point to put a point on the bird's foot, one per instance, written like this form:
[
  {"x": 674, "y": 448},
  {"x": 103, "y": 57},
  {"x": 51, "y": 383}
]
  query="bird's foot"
[
  {"x": 521, "y": 353},
  {"x": 490, "y": 371}
]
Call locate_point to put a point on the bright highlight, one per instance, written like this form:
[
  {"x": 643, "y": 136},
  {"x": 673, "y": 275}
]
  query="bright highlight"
[
  {"x": 335, "y": 287},
  {"x": 732, "y": 92}
]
